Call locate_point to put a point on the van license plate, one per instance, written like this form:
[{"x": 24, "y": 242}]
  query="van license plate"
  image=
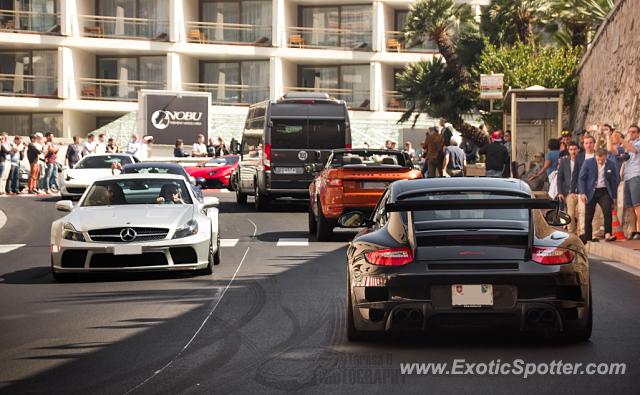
[
  {"x": 471, "y": 295},
  {"x": 289, "y": 170}
]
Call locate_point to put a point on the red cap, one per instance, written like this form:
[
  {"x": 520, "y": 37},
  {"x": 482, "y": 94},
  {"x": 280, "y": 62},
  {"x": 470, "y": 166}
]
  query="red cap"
[{"x": 497, "y": 135}]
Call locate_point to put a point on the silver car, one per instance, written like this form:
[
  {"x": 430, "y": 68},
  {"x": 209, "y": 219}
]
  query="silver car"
[{"x": 136, "y": 222}]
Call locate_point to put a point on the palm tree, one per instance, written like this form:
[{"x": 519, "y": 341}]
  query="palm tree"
[
  {"x": 440, "y": 21},
  {"x": 578, "y": 19},
  {"x": 522, "y": 14}
]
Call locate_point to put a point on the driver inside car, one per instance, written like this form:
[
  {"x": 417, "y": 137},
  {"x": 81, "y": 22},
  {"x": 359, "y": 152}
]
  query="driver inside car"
[{"x": 170, "y": 194}]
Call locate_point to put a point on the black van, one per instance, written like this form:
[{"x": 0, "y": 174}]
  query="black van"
[{"x": 284, "y": 143}]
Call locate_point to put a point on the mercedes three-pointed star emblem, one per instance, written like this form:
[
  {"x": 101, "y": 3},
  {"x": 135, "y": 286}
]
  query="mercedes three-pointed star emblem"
[{"x": 128, "y": 234}]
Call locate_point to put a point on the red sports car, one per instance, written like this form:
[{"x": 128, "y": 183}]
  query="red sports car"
[{"x": 215, "y": 172}]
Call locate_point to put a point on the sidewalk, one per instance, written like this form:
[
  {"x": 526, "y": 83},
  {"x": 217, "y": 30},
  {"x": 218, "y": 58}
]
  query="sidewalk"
[{"x": 627, "y": 252}]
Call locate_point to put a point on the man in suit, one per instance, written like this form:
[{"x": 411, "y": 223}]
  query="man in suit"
[
  {"x": 598, "y": 185},
  {"x": 568, "y": 173}
]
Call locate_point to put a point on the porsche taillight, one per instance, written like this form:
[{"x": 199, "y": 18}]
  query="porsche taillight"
[
  {"x": 551, "y": 255},
  {"x": 390, "y": 256}
]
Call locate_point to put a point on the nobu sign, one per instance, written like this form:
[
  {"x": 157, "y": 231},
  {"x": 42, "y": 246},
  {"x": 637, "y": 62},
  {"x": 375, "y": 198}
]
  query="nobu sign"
[{"x": 169, "y": 116}]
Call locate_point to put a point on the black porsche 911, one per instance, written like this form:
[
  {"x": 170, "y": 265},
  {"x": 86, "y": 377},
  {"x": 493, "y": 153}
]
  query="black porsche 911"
[{"x": 466, "y": 252}]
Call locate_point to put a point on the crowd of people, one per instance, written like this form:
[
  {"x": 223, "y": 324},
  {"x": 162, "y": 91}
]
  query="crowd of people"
[{"x": 213, "y": 148}]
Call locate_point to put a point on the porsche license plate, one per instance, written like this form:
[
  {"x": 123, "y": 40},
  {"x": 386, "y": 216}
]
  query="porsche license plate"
[
  {"x": 374, "y": 185},
  {"x": 471, "y": 295},
  {"x": 289, "y": 170},
  {"x": 127, "y": 250}
]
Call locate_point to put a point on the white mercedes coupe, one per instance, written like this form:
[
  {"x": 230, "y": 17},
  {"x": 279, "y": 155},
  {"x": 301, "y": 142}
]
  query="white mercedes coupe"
[
  {"x": 74, "y": 181},
  {"x": 136, "y": 222}
]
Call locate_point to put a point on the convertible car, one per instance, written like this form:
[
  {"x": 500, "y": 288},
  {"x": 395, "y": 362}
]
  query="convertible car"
[
  {"x": 353, "y": 180},
  {"x": 466, "y": 252},
  {"x": 135, "y": 222}
]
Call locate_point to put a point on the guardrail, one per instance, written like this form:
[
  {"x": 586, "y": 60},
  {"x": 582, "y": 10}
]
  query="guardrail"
[
  {"x": 29, "y": 22},
  {"x": 231, "y": 95},
  {"x": 355, "y": 99},
  {"x": 114, "y": 90},
  {"x": 316, "y": 38},
  {"x": 228, "y": 33},
  {"x": 28, "y": 85},
  {"x": 123, "y": 27},
  {"x": 396, "y": 42}
]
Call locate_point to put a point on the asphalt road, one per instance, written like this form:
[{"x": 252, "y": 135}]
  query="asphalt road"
[{"x": 270, "y": 319}]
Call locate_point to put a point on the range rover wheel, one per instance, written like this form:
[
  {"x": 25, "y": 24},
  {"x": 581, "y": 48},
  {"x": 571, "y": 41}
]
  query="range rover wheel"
[
  {"x": 324, "y": 230},
  {"x": 312, "y": 221}
]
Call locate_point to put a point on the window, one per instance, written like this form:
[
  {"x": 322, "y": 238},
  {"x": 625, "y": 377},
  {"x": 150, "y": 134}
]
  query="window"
[
  {"x": 324, "y": 21},
  {"x": 354, "y": 79},
  {"x": 32, "y": 73},
  {"x": 289, "y": 133},
  {"x": 155, "y": 11},
  {"x": 140, "y": 191},
  {"x": 251, "y": 145},
  {"x": 252, "y": 12},
  {"x": 150, "y": 69},
  {"x": 27, "y": 124},
  {"x": 236, "y": 82}
]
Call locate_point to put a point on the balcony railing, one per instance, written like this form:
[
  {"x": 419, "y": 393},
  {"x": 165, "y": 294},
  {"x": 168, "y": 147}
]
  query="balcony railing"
[
  {"x": 29, "y": 22},
  {"x": 120, "y": 27},
  {"x": 393, "y": 101},
  {"x": 114, "y": 90},
  {"x": 231, "y": 95},
  {"x": 310, "y": 37},
  {"x": 396, "y": 42},
  {"x": 228, "y": 33},
  {"x": 355, "y": 99},
  {"x": 28, "y": 85}
]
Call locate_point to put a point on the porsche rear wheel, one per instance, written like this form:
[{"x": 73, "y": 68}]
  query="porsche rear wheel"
[
  {"x": 353, "y": 334},
  {"x": 582, "y": 334}
]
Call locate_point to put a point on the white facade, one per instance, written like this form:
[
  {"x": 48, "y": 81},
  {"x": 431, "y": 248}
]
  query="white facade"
[{"x": 345, "y": 47}]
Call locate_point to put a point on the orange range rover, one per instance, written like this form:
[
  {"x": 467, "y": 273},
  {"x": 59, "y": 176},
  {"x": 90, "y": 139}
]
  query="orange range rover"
[{"x": 353, "y": 180}]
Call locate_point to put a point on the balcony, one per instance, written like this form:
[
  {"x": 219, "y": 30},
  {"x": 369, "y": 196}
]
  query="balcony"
[
  {"x": 396, "y": 42},
  {"x": 231, "y": 95},
  {"x": 29, "y": 22},
  {"x": 123, "y": 28},
  {"x": 228, "y": 33},
  {"x": 393, "y": 101},
  {"x": 114, "y": 90},
  {"x": 355, "y": 99},
  {"x": 23, "y": 85},
  {"x": 316, "y": 38}
]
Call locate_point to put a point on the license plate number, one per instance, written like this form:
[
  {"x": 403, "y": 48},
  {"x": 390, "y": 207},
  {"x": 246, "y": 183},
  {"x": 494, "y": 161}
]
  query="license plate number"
[
  {"x": 289, "y": 170},
  {"x": 374, "y": 185},
  {"x": 127, "y": 250},
  {"x": 471, "y": 295}
]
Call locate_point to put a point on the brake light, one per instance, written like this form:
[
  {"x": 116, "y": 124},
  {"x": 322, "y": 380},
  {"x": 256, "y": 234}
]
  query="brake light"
[
  {"x": 348, "y": 146},
  {"x": 551, "y": 255},
  {"x": 334, "y": 182},
  {"x": 266, "y": 157},
  {"x": 390, "y": 257}
]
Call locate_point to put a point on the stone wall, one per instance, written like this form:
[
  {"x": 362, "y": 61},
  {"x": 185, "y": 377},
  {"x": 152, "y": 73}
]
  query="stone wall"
[{"x": 609, "y": 87}]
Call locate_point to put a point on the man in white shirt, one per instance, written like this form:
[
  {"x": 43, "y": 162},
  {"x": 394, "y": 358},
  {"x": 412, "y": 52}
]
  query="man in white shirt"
[
  {"x": 632, "y": 178},
  {"x": 133, "y": 145},
  {"x": 101, "y": 147},
  {"x": 144, "y": 151},
  {"x": 90, "y": 145},
  {"x": 199, "y": 148}
]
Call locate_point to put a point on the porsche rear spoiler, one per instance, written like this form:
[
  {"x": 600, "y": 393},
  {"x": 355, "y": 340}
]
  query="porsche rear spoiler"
[{"x": 477, "y": 204}]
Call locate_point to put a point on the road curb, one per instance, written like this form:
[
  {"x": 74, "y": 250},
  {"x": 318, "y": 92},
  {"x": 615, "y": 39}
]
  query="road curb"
[{"x": 613, "y": 252}]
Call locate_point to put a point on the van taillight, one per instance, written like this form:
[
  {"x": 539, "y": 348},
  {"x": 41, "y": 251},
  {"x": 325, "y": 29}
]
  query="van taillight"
[
  {"x": 551, "y": 255},
  {"x": 348, "y": 146},
  {"x": 266, "y": 157}
]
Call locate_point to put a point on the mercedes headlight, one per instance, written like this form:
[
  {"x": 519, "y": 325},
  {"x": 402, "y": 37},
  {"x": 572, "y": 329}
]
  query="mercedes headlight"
[
  {"x": 70, "y": 233},
  {"x": 188, "y": 229}
]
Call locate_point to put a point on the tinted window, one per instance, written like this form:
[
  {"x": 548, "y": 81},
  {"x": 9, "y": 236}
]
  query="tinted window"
[
  {"x": 102, "y": 162},
  {"x": 152, "y": 170},
  {"x": 327, "y": 134},
  {"x": 141, "y": 191},
  {"x": 469, "y": 214},
  {"x": 289, "y": 133},
  {"x": 251, "y": 145},
  {"x": 225, "y": 160}
]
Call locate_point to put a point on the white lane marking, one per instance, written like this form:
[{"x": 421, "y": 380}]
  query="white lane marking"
[
  {"x": 228, "y": 242},
  {"x": 255, "y": 228},
  {"x": 284, "y": 242},
  {"x": 213, "y": 309},
  {"x": 622, "y": 266},
  {"x": 4, "y": 248},
  {"x": 3, "y": 219}
]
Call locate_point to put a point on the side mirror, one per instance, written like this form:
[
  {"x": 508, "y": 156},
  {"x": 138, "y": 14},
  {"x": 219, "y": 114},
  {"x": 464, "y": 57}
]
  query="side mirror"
[
  {"x": 355, "y": 219},
  {"x": 318, "y": 155},
  {"x": 210, "y": 201},
  {"x": 64, "y": 205},
  {"x": 557, "y": 218}
]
